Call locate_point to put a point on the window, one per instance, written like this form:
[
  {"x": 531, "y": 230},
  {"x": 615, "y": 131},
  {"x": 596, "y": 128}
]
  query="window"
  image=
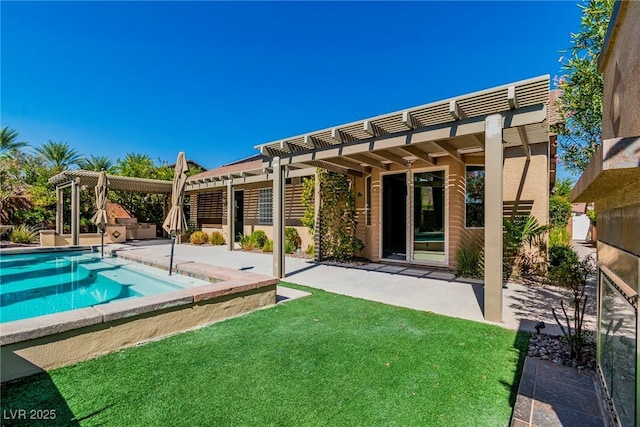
[
  {"x": 474, "y": 204},
  {"x": 265, "y": 206},
  {"x": 367, "y": 200},
  {"x": 210, "y": 208}
]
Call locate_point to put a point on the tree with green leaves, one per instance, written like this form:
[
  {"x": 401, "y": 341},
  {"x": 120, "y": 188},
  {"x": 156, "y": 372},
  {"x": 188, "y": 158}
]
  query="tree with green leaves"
[
  {"x": 563, "y": 187},
  {"x": 9, "y": 141},
  {"x": 58, "y": 156},
  {"x": 98, "y": 163},
  {"x": 581, "y": 87},
  {"x": 146, "y": 207}
]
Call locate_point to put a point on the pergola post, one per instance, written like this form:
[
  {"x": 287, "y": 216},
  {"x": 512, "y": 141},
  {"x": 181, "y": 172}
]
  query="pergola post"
[
  {"x": 278, "y": 219},
  {"x": 493, "y": 219},
  {"x": 59, "y": 209},
  {"x": 75, "y": 213},
  {"x": 231, "y": 217}
]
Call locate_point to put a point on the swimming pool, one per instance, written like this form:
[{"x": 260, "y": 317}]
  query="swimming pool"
[{"x": 44, "y": 283}]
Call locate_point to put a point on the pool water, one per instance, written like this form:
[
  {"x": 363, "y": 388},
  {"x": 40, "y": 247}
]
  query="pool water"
[{"x": 44, "y": 283}]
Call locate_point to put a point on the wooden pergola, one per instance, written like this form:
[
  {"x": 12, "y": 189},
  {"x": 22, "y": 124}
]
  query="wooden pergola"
[
  {"x": 76, "y": 179},
  {"x": 513, "y": 115}
]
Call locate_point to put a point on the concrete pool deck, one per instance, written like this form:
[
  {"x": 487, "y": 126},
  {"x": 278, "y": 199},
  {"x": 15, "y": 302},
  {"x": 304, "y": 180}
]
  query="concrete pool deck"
[{"x": 436, "y": 291}]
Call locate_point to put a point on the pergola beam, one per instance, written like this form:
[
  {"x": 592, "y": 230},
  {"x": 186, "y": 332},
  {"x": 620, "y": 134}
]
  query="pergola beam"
[
  {"x": 369, "y": 160},
  {"x": 417, "y": 152},
  {"x": 472, "y": 125},
  {"x": 342, "y": 136},
  {"x": 373, "y": 129},
  {"x": 310, "y": 141},
  {"x": 344, "y": 162},
  {"x": 450, "y": 150},
  {"x": 454, "y": 110},
  {"x": 387, "y": 155},
  {"x": 477, "y": 140},
  {"x": 410, "y": 121},
  {"x": 512, "y": 98},
  {"x": 525, "y": 141}
]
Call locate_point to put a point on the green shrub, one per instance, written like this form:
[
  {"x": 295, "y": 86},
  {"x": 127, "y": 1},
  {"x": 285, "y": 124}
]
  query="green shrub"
[
  {"x": 569, "y": 272},
  {"x": 22, "y": 234},
  {"x": 289, "y": 248},
  {"x": 591, "y": 214},
  {"x": 259, "y": 238},
  {"x": 559, "y": 211},
  {"x": 199, "y": 237},
  {"x": 246, "y": 243},
  {"x": 268, "y": 246},
  {"x": 520, "y": 231},
  {"x": 216, "y": 238},
  {"x": 292, "y": 237},
  {"x": 186, "y": 234},
  {"x": 559, "y": 236},
  {"x": 311, "y": 250},
  {"x": 559, "y": 255},
  {"x": 470, "y": 260}
]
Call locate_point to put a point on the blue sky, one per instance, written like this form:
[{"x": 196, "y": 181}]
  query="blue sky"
[{"x": 214, "y": 79}]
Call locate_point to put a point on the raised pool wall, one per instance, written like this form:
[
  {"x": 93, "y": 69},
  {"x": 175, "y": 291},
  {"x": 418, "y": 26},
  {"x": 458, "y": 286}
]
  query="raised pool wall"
[
  {"x": 41, "y": 343},
  {"x": 113, "y": 234}
]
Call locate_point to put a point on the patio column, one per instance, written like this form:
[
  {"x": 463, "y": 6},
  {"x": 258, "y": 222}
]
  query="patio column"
[
  {"x": 230, "y": 216},
  {"x": 278, "y": 219},
  {"x": 493, "y": 219},
  {"x": 59, "y": 210},
  {"x": 75, "y": 213}
]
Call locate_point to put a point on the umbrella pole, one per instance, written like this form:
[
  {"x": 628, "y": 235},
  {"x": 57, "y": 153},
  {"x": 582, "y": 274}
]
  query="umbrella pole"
[
  {"x": 102, "y": 243},
  {"x": 173, "y": 242}
]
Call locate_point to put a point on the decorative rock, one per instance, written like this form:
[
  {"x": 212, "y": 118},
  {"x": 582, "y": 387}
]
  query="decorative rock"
[{"x": 549, "y": 347}]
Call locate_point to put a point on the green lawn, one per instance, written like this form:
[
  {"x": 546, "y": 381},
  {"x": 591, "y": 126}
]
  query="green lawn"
[{"x": 323, "y": 360}]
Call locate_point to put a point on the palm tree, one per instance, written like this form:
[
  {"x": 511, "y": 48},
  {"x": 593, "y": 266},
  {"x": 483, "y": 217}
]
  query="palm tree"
[
  {"x": 9, "y": 141},
  {"x": 97, "y": 163},
  {"x": 58, "y": 155}
]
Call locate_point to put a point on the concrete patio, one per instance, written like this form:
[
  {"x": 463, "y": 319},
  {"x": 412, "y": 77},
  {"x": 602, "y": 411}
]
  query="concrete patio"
[{"x": 436, "y": 291}]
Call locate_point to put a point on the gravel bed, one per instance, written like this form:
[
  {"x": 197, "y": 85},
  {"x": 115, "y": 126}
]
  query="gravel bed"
[{"x": 554, "y": 349}]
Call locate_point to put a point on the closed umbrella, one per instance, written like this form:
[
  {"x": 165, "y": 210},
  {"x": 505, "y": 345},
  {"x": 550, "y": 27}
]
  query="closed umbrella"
[
  {"x": 100, "y": 217},
  {"x": 175, "y": 220}
]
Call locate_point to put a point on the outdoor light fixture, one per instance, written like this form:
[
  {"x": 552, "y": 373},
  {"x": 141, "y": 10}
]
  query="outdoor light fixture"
[
  {"x": 116, "y": 234},
  {"x": 539, "y": 325}
]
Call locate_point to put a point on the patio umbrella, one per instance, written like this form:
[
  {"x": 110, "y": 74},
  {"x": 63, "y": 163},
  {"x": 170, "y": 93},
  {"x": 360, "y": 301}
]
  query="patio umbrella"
[
  {"x": 175, "y": 220},
  {"x": 100, "y": 217}
]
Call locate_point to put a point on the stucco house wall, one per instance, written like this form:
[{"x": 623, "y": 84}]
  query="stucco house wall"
[{"x": 525, "y": 191}]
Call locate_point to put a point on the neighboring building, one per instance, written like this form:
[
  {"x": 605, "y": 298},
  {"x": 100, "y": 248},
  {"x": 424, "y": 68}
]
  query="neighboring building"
[
  {"x": 412, "y": 172},
  {"x": 612, "y": 181}
]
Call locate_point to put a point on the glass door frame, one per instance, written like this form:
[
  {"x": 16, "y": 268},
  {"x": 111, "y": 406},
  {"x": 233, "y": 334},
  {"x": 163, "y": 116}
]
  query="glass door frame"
[
  {"x": 411, "y": 219},
  {"x": 408, "y": 252}
]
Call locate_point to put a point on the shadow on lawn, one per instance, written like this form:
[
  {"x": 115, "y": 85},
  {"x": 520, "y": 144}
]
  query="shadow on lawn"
[
  {"x": 35, "y": 401},
  {"x": 521, "y": 346}
]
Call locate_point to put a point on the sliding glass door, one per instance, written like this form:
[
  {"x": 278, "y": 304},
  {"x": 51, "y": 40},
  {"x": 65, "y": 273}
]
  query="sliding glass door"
[{"x": 429, "y": 232}]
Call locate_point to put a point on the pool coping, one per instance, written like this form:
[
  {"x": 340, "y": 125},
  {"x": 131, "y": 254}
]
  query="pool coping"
[{"x": 223, "y": 282}]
